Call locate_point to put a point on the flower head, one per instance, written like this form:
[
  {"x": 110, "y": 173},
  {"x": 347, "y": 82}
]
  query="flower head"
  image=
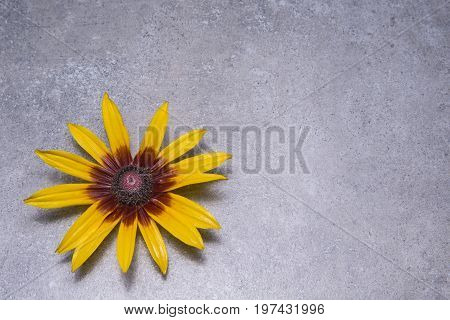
[{"x": 132, "y": 192}]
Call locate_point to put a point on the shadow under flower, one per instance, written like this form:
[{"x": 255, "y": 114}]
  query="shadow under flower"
[
  {"x": 61, "y": 214},
  {"x": 200, "y": 193},
  {"x": 94, "y": 259}
]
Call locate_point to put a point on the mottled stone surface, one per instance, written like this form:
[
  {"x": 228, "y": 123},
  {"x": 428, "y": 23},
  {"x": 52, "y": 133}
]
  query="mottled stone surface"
[{"x": 370, "y": 79}]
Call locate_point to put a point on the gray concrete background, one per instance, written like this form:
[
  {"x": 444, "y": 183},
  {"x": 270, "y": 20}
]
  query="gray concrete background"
[{"x": 370, "y": 78}]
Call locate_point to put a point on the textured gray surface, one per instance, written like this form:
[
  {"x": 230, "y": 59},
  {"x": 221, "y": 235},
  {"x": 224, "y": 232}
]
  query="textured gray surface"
[{"x": 370, "y": 78}]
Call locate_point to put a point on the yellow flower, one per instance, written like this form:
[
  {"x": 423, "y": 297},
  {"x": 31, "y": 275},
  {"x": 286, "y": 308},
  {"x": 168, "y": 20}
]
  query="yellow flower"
[{"x": 132, "y": 192}]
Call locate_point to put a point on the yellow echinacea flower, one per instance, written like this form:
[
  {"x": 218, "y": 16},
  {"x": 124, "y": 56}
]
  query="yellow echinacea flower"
[{"x": 133, "y": 192}]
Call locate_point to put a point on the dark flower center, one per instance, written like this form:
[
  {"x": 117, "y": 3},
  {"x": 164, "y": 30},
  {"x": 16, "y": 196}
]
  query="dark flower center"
[{"x": 132, "y": 185}]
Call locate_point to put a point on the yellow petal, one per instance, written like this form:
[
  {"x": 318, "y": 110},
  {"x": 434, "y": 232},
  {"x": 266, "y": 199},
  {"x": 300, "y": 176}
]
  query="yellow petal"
[
  {"x": 63, "y": 195},
  {"x": 114, "y": 126},
  {"x": 201, "y": 163},
  {"x": 191, "y": 211},
  {"x": 182, "y": 145},
  {"x": 154, "y": 134},
  {"x": 154, "y": 242},
  {"x": 186, "y": 233},
  {"x": 89, "y": 142},
  {"x": 182, "y": 180},
  {"x": 82, "y": 253},
  {"x": 68, "y": 162},
  {"x": 86, "y": 225},
  {"x": 126, "y": 240}
]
